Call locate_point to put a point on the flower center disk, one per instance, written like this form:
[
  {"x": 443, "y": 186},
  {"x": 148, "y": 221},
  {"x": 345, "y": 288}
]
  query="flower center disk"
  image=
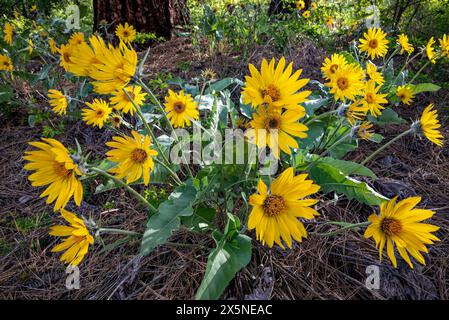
[
  {"x": 342, "y": 83},
  {"x": 274, "y": 205},
  {"x": 272, "y": 92},
  {"x": 391, "y": 226},
  {"x": 373, "y": 43},
  {"x": 179, "y": 107},
  {"x": 139, "y": 155}
]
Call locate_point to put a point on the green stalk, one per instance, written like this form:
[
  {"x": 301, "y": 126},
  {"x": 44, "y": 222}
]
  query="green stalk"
[
  {"x": 420, "y": 70},
  {"x": 119, "y": 231},
  {"x": 320, "y": 116},
  {"x": 343, "y": 229},
  {"x": 127, "y": 187}
]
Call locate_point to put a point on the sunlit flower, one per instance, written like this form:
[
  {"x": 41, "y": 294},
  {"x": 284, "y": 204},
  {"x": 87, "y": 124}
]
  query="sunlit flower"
[
  {"x": 126, "y": 33},
  {"x": 33, "y": 8},
  {"x": 30, "y": 46},
  {"x": 313, "y": 5},
  {"x": 180, "y": 109},
  {"x": 76, "y": 39},
  {"x": 66, "y": 52},
  {"x": 444, "y": 43},
  {"x": 273, "y": 129},
  {"x": 356, "y": 111},
  {"x": 406, "y": 94},
  {"x": 405, "y": 44},
  {"x": 52, "y": 45},
  {"x": 275, "y": 86},
  {"x": 116, "y": 120},
  {"x": 8, "y": 31},
  {"x": 84, "y": 57},
  {"x": 430, "y": 125},
  {"x": 77, "y": 239},
  {"x": 374, "y": 43},
  {"x": 373, "y": 74},
  {"x": 300, "y": 4},
  {"x": 330, "y": 65},
  {"x": 372, "y": 99},
  {"x": 5, "y": 63},
  {"x": 399, "y": 224},
  {"x": 275, "y": 213},
  {"x": 54, "y": 167},
  {"x": 430, "y": 50},
  {"x": 329, "y": 21},
  {"x": 133, "y": 155},
  {"x": 364, "y": 131},
  {"x": 347, "y": 82},
  {"x": 58, "y": 101},
  {"x": 97, "y": 113},
  {"x": 121, "y": 102},
  {"x": 306, "y": 14},
  {"x": 209, "y": 74}
]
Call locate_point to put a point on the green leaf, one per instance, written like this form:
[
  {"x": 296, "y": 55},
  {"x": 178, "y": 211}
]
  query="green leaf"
[
  {"x": 247, "y": 110},
  {"x": 200, "y": 220},
  {"x": 233, "y": 252},
  {"x": 388, "y": 116},
  {"x": 330, "y": 179},
  {"x": 222, "y": 84},
  {"x": 161, "y": 225},
  {"x": 425, "y": 87},
  {"x": 314, "y": 104},
  {"x": 377, "y": 138},
  {"x": 349, "y": 167}
]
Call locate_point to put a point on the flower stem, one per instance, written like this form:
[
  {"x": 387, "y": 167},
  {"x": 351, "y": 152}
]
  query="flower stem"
[
  {"x": 119, "y": 231},
  {"x": 127, "y": 187},
  {"x": 419, "y": 71},
  {"x": 343, "y": 229},
  {"x": 320, "y": 116}
]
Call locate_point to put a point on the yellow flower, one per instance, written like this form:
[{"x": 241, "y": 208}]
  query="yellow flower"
[
  {"x": 405, "y": 45},
  {"x": 76, "y": 39},
  {"x": 444, "y": 43},
  {"x": 126, "y": 33},
  {"x": 116, "y": 120},
  {"x": 347, "y": 82},
  {"x": 66, "y": 52},
  {"x": 372, "y": 99},
  {"x": 5, "y": 63},
  {"x": 8, "y": 30},
  {"x": 53, "y": 46},
  {"x": 97, "y": 114},
  {"x": 121, "y": 102},
  {"x": 77, "y": 238},
  {"x": 274, "y": 129},
  {"x": 54, "y": 167},
  {"x": 209, "y": 74},
  {"x": 373, "y": 74},
  {"x": 374, "y": 43},
  {"x": 406, "y": 94},
  {"x": 399, "y": 224},
  {"x": 134, "y": 157},
  {"x": 33, "y": 8},
  {"x": 430, "y": 125},
  {"x": 313, "y": 5},
  {"x": 430, "y": 50},
  {"x": 329, "y": 21},
  {"x": 115, "y": 68},
  {"x": 306, "y": 14},
  {"x": 58, "y": 101},
  {"x": 180, "y": 109},
  {"x": 30, "y": 46},
  {"x": 356, "y": 111},
  {"x": 364, "y": 131},
  {"x": 83, "y": 57},
  {"x": 331, "y": 65},
  {"x": 275, "y": 86},
  {"x": 275, "y": 214},
  {"x": 300, "y": 4}
]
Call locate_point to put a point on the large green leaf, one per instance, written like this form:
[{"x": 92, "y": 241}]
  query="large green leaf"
[
  {"x": 233, "y": 252},
  {"x": 329, "y": 178},
  {"x": 348, "y": 167},
  {"x": 425, "y": 87},
  {"x": 161, "y": 225},
  {"x": 387, "y": 117},
  {"x": 222, "y": 84}
]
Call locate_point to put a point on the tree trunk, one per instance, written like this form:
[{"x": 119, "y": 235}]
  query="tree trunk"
[{"x": 156, "y": 16}]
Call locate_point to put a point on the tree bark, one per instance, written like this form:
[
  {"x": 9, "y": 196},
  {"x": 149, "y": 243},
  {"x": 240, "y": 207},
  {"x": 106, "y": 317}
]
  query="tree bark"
[{"x": 156, "y": 16}]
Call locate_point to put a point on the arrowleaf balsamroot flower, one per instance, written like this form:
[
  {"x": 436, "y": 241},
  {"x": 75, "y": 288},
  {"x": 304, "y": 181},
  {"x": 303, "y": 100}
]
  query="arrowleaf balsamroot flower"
[
  {"x": 180, "y": 109},
  {"x": 405, "y": 44},
  {"x": 330, "y": 65},
  {"x": 356, "y": 111},
  {"x": 347, "y": 82},
  {"x": 133, "y": 155},
  {"x": 52, "y": 45},
  {"x": 77, "y": 239},
  {"x": 54, "y": 167},
  {"x": 5, "y": 63},
  {"x": 300, "y": 4},
  {"x": 374, "y": 43},
  {"x": 399, "y": 224},
  {"x": 430, "y": 50},
  {"x": 8, "y": 31},
  {"x": 444, "y": 43},
  {"x": 364, "y": 131},
  {"x": 430, "y": 125},
  {"x": 373, "y": 74},
  {"x": 275, "y": 86},
  {"x": 126, "y": 33},
  {"x": 276, "y": 130},
  {"x": 76, "y": 39},
  {"x": 58, "y": 101},
  {"x": 121, "y": 102},
  {"x": 372, "y": 99},
  {"x": 97, "y": 113},
  {"x": 66, "y": 52},
  {"x": 275, "y": 214},
  {"x": 406, "y": 94}
]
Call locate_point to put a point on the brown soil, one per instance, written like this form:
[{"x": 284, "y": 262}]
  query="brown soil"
[{"x": 318, "y": 268}]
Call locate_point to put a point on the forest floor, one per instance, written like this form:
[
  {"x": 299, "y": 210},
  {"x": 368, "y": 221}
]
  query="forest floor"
[{"x": 318, "y": 268}]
